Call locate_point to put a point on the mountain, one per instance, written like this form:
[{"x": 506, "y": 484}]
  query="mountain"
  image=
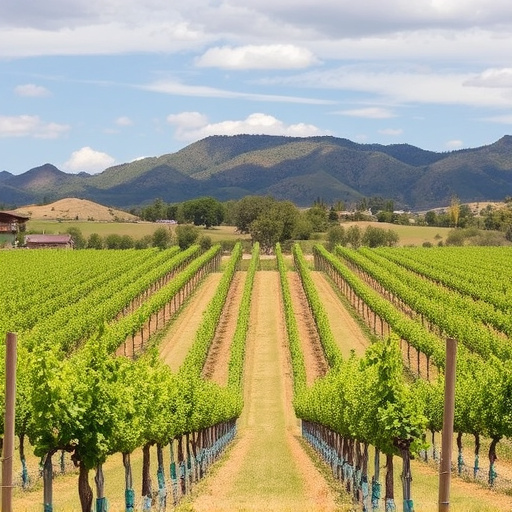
[
  {"x": 5, "y": 175},
  {"x": 294, "y": 168}
]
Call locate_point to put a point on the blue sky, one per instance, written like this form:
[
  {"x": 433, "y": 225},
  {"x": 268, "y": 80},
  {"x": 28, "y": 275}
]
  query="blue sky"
[{"x": 86, "y": 84}]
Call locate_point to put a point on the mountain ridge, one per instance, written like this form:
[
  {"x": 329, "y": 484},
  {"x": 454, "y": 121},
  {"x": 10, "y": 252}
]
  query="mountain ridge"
[{"x": 301, "y": 169}]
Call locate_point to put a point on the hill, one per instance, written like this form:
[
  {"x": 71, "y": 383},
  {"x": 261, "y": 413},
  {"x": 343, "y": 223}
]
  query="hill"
[
  {"x": 75, "y": 209},
  {"x": 294, "y": 168}
]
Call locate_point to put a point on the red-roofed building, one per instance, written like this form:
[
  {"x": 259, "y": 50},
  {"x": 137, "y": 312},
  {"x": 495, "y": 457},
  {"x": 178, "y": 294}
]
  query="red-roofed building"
[{"x": 49, "y": 242}]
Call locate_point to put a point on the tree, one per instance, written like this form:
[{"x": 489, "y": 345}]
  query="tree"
[
  {"x": 161, "y": 238},
  {"x": 336, "y": 235},
  {"x": 289, "y": 214},
  {"x": 354, "y": 236},
  {"x": 186, "y": 235},
  {"x": 155, "y": 211},
  {"x": 431, "y": 218},
  {"x": 143, "y": 242},
  {"x": 303, "y": 228},
  {"x": 113, "y": 241},
  {"x": 205, "y": 242},
  {"x": 205, "y": 211},
  {"x": 374, "y": 237},
  {"x": 248, "y": 210},
  {"x": 126, "y": 242},
  {"x": 333, "y": 215},
  {"x": 267, "y": 229},
  {"x": 94, "y": 241},
  {"x": 78, "y": 238},
  {"x": 454, "y": 211},
  {"x": 318, "y": 217}
]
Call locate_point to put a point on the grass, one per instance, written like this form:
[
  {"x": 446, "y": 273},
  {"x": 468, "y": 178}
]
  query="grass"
[
  {"x": 136, "y": 230},
  {"x": 409, "y": 235}
]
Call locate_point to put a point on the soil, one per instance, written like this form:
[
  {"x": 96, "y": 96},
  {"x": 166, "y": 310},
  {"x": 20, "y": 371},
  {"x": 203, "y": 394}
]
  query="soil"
[
  {"x": 267, "y": 426},
  {"x": 346, "y": 331},
  {"x": 217, "y": 362},
  {"x": 177, "y": 341},
  {"x": 314, "y": 357}
]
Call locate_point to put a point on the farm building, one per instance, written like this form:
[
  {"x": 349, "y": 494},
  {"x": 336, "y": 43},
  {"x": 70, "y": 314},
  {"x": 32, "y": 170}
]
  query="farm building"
[
  {"x": 10, "y": 225},
  {"x": 11, "y": 222},
  {"x": 49, "y": 242}
]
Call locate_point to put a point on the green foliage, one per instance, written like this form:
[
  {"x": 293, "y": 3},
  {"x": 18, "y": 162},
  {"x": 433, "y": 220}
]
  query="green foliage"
[
  {"x": 336, "y": 235},
  {"x": 267, "y": 230},
  {"x": 205, "y": 211},
  {"x": 205, "y": 242},
  {"x": 331, "y": 350},
  {"x": 368, "y": 400},
  {"x": 248, "y": 209},
  {"x": 78, "y": 238},
  {"x": 378, "y": 237},
  {"x": 95, "y": 241},
  {"x": 162, "y": 238},
  {"x": 354, "y": 236},
  {"x": 186, "y": 235},
  {"x": 112, "y": 241},
  {"x": 318, "y": 217}
]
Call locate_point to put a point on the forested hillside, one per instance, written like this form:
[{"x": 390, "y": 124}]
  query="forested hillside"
[{"x": 292, "y": 168}]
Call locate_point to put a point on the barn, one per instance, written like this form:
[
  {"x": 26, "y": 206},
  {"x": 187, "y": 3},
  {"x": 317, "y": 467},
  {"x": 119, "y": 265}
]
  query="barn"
[{"x": 49, "y": 242}]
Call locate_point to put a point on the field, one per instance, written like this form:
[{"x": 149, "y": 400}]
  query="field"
[{"x": 269, "y": 466}]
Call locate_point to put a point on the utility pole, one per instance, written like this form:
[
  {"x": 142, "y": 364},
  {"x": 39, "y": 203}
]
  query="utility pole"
[
  {"x": 10, "y": 402},
  {"x": 448, "y": 418}
]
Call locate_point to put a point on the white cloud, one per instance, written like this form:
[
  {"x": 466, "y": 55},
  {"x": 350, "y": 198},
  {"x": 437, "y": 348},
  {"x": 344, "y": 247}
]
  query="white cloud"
[
  {"x": 501, "y": 78},
  {"x": 88, "y": 160},
  {"x": 368, "y": 112},
  {"x": 188, "y": 120},
  {"x": 124, "y": 121},
  {"x": 102, "y": 39},
  {"x": 30, "y": 126},
  {"x": 403, "y": 85},
  {"x": 454, "y": 144},
  {"x": 276, "y": 56},
  {"x": 192, "y": 126},
  {"x": 203, "y": 91},
  {"x": 31, "y": 90},
  {"x": 393, "y": 132}
]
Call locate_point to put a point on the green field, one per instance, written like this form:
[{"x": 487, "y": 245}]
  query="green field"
[
  {"x": 409, "y": 235},
  {"x": 135, "y": 229}
]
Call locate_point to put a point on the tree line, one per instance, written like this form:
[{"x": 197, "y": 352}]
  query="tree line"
[{"x": 270, "y": 221}]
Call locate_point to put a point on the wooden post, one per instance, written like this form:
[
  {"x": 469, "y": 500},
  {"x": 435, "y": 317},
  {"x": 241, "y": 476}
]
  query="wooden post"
[
  {"x": 448, "y": 418},
  {"x": 10, "y": 403}
]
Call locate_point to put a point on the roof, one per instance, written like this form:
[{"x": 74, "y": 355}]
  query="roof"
[
  {"x": 9, "y": 216},
  {"x": 48, "y": 239}
]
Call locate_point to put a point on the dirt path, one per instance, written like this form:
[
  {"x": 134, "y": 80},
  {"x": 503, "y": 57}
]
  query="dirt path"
[
  {"x": 179, "y": 338},
  {"x": 267, "y": 469},
  {"x": 217, "y": 363},
  {"x": 314, "y": 357},
  {"x": 345, "y": 329}
]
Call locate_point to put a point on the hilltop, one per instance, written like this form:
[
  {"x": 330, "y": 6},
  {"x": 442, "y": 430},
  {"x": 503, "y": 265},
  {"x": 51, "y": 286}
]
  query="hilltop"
[
  {"x": 299, "y": 169},
  {"x": 75, "y": 209}
]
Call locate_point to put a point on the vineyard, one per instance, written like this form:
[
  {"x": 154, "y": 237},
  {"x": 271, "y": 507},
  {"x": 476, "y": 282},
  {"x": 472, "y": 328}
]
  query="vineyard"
[{"x": 144, "y": 368}]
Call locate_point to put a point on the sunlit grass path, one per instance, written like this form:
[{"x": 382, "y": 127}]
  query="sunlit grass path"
[{"x": 267, "y": 468}]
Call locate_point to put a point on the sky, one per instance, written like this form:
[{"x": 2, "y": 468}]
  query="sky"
[{"x": 87, "y": 84}]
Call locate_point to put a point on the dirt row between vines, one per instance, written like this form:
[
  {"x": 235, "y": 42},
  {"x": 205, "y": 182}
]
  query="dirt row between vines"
[{"x": 267, "y": 468}]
